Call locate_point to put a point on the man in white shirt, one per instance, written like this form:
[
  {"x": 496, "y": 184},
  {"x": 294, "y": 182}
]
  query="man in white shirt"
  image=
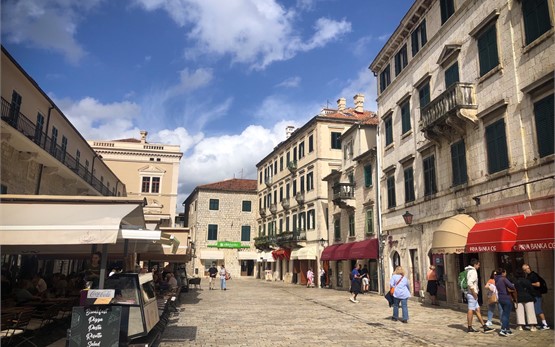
[{"x": 472, "y": 296}]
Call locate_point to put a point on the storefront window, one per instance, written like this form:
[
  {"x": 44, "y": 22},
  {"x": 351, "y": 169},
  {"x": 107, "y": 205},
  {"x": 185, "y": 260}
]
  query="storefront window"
[{"x": 510, "y": 262}]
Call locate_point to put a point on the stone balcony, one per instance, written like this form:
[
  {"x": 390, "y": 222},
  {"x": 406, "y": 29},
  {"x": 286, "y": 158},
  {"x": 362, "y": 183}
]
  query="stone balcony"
[
  {"x": 300, "y": 198},
  {"x": 343, "y": 193},
  {"x": 292, "y": 166},
  {"x": 285, "y": 203},
  {"x": 268, "y": 180},
  {"x": 446, "y": 115},
  {"x": 273, "y": 208}
]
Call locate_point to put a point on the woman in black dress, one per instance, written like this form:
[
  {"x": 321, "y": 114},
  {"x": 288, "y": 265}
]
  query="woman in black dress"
[
  {"x": 431, "y": 288},
  {"x": 355, "y": 283}
]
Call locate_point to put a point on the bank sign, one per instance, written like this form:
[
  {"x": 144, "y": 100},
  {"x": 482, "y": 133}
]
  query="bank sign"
[{"x": 228, "y": 244}]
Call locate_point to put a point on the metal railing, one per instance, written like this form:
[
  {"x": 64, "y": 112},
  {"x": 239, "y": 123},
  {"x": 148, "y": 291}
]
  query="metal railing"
[
  {"x": 457, "y": 96},
  {"x": 342, "y": 191},
  {"x": 22, "y": 124}
]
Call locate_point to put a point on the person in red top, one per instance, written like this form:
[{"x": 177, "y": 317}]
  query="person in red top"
[{"x": 431, "y": 287}]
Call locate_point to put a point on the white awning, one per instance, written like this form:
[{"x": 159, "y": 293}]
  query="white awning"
[
  {"x": 265, "y": 257},
  {"x": 307, "y": 253},
  {"x": 208, "y": 254},
  {"x": 244, "y": 255}
]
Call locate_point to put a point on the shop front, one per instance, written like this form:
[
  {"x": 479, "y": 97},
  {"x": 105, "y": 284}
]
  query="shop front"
[{"x": 304, "y": 259}]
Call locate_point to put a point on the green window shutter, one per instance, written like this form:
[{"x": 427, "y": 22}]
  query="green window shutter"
[
  {"x": 409, "y": 184},
  {"x": 369, "y": 222},
  {"x": 544, "y": 114},
  {"x": 536, "y": 19},
  {"x": 391, "y": 192},
  {"x": 424, "y": 94},
  {"x": 405, "y": 117},
  {"x": 497, "y": 147},
  {"x": 423, "y": 37},
  {"x": 414, "y": 42},
  {"x": 458, "y": 163},
  {"x": 388, "y": 131},
  {"x": 487, "y": 50},
  {"x": 451, "y": 75},
  {"x": 367, "y": 175}
]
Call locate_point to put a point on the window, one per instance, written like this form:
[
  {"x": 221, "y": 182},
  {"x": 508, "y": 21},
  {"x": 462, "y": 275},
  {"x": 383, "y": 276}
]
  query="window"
[
  {"x": 295, "y": 225},
  {"x": 302, "y": 221},
  {"x": 281, "y": 193},
  {"x": 294, "y": 154},
  {"x": 391, "y": 192},
  {"x": 281, "y": 163},
  {"x": 451, "y": 75},
  {"x": 77, "y": 159},
  {"x": 288, "y": 158},
  {"x": 424, "y": 94},
  {"x": 543, "y": 111},
  {"x": 246, "y": 206},
  {"x": 385, "y": 78},
  {"x": 335, "y": 140},
  {"x": 310, "y": 143},
  {"x": 150, "y": 184},
  {"x": 260, "y": 180},
  {"x": 64, "y": 148},
  {"x": 311, "y": 219},
  {"x": 418, "y": 37},
  {"x": 458, "y": 163},
  {"x": 287, "y": 190},
  {"x": 281, "y": 225},
  {"x": 155, "y": 185},
  {"x": 351, "y": 225},
  {"x": 337, "y": 229},
  {"x": 214, "y": 204},
  {"x": 497, "y": 147},
  {"x": 3, "y": 189},
  {"x": 447, "y": 9},
  {"x": 39, "y": 128},
  {"x": 294, "y": 188},
  {"x": 54, "y": 141},
  {"x": 14, "y": 108},
  {"x": 388, "y": 131},
  {"x": 212, "y": 232},
  {"x": 301, "y": 150},
  {"x": 401, "y": 60},
  {"x": 287, "y": 224},
  {"x": 536, "y": 18},
  {"x": 409, "y": 184},
  {"x": 301, "y": 184},
  {"x": 275, "y": 167},
  {"x": 367, "y": 175},
  {"x": 370, "y": 221},
  {"x": 487, "y": 50},
  {"x": 405, "y": 116},
  {"x": 309, "y": 181},
  {"x": 429, "y": 176}
]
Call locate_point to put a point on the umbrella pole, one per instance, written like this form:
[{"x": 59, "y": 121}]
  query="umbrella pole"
[{"x": 103, "y": 263}]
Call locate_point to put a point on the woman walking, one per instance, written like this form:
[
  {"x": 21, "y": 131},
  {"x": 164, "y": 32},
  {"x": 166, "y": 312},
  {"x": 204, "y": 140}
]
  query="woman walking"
[
  {"x": 223, "y": 278},
  {"x": 309, "y": 278},
  {"x": 492, "y": 293},
  {"x": 525, "y": 314},
  {"x": 355, "y": 283},
  {"x": 401, "y": 294},
  {"x": 431, "y": 287},
  {"x": 503, "y": 286}
]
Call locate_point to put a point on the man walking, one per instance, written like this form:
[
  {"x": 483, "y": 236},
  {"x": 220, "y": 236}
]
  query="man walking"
[
  {"x": 472, "y": 296},
  {"x": 212, "y": 272},
  {"x": 534, "y": 278}
]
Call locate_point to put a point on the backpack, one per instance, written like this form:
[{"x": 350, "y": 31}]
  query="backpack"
[
  {"x": 463, "y": 281},
  {"x": 543, "y": 285}
]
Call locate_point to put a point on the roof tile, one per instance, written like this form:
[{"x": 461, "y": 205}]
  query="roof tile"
[{"x": 234, "y": 184}]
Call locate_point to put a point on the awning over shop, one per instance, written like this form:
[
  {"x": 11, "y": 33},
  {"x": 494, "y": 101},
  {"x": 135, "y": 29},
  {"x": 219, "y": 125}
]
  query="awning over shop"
[
  {"x": 367, "y": 249},
  {"x": 307, "y": 253},
  {"x": 209, "y": 254},
  {"x": 329, "y": 252},
  {"x": 497, "y": 235},
  {"x": 282, "y": 253},
  {"x": 265, "y": 257},
  {"x": 536, "y": 233},
  {"x": 343, "y": 252},
  {"x": 244, "y": 255},
  {"x": 451, "y": 235}
]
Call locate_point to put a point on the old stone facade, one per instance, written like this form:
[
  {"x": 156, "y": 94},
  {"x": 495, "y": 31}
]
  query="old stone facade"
[
  {"x": 222, "y": 220},
  {"x": 149, "y": 170},
  {"x": 465, "y": 98},
  {"x": 42, "y": 152},
  {"x": 293, "y": 198}
]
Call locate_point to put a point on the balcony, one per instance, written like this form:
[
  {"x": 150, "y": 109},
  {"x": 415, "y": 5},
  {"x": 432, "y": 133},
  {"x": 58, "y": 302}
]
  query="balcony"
[
  {"x": 22, "y": 124},
  {"x": 285, "y": 203},
  {"x": 268, "y": 180},
  {"x": 290, "y": 239},
  {"x": 446, "y": 115},
  {"x": 264, "y": 243},
  {"x": 273, "y": 208},
  {"x": 299, "y": 197},
  {"x": 292, "y": 166},
  {"x": 342, "y": 192},
  {"x": 262, "y": 212}
]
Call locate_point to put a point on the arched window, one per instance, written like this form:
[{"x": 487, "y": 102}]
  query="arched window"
[{"x": 396, "y": 259}]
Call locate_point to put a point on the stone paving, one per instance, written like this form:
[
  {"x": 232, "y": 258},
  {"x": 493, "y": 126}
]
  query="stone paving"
[{"x": 256, "y": 313}]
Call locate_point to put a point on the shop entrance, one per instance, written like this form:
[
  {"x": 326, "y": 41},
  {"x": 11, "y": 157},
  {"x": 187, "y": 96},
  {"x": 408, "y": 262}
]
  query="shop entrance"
[
  {"x": 415, "y": 271},
  {"x": 464, "y": 261},
  {"x": 339, "y": 273},
  {"x": 439, "y": 261},
  {"x": 247, "y": 267}
]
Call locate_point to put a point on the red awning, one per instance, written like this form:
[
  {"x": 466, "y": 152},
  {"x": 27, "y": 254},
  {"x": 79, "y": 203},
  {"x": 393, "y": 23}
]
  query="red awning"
[
  {"x": 367, "y": 249},
  {"x": 497, "y": 235},
  {"x": 281, "y": 253},
  {"x": 536, "y": 233},
  {"x": 343, "y": 252},
  {"x": 329, "y": 252}
]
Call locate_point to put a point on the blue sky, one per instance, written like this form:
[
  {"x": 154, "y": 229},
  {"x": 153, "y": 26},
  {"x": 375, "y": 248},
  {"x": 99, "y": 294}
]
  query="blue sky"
[{"x": 221, "y": 78}]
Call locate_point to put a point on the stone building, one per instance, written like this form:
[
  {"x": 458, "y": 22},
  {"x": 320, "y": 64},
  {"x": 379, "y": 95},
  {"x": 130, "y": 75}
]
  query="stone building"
[
  {"x": 465, "y": 100},
  {"x": 42, "y": 152},
  {"x": 149, "y": 170},
  {"x": 292, "y": 196},
  {"x": 222, "y": 218}
]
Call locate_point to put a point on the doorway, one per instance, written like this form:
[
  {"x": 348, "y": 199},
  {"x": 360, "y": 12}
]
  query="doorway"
[
  {"x": 415, "y": 271},
  {"x": 247, "y": 267},
  {"x": 439, "y": 261}
]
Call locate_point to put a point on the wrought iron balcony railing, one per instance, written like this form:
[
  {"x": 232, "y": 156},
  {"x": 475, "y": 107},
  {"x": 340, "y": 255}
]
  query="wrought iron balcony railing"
[{"x": 343, "y": 191}]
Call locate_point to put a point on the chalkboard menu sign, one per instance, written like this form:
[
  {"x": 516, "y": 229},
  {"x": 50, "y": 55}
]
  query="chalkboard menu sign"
[{"x": 95, "y": 326}]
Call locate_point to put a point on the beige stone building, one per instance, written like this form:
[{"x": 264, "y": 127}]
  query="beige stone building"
[
  {"x": 465, "y": 100},
  {"x": 149, "y": 170},
  {"x": 222, "y": 220},
  {"x": 293, "y": 198},
  {"x": 353, "y": 208},
  {"x": 42, "y": 152}
]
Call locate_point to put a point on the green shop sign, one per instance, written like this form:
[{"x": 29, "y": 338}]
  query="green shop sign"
[{"x": 228, "y": 244}]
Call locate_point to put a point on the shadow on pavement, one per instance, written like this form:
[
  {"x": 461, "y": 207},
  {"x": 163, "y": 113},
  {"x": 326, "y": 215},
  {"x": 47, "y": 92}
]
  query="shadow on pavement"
[
  {"x": 181, "y": 333},
  {"x": 458, "y": 326}
]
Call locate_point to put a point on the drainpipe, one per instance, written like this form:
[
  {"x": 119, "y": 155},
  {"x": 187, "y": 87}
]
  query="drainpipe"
[{"x": 381, "y": 240}]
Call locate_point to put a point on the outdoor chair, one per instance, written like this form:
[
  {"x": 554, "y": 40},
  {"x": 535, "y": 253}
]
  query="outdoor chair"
[
  {"x": 18, "y": 327},
  {"x": 44, "y": 318}
]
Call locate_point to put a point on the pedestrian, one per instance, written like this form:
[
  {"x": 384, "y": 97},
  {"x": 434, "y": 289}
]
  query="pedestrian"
[
  {"x": 493, "y": 298},
  {"x": 40, "y": 285},
  {"x": 172, "y": 282},
  {"x": 309, "y": 278},
  {"x": 365, "y": 280},
  {"x": 355, "y": 283},
  {"x": 525, "y": 314},
  {"x": 401, "y": 294},
  {"x": 92, "y": 274},
  {"x": 212, "y": 272},
  {"x": 322, "y": 278},
  {"x": 536, "y": 282},
  {"x": 432, "y": 284},
  {"x": 224, "y": 275},
  {"x": 503, "y": 286},
  {"x": 472, "y": 296}
]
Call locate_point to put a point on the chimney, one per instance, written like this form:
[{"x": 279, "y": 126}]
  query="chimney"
[
  {"x": 359, "y": 103},
  {"x": 143, "y": 136},
  {"x": 341, "y": 104},
  {"x": 289, "y": 130}
]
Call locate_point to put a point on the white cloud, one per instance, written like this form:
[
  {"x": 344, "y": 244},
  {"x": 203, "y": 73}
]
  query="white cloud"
[
  {"x": 48, "y": 24},
  {"x": 291, "y": 82},
  {"x": 254, "y": 32},
  {"x": 190, "y": 80},
  {"x": 364, "y": 83}
]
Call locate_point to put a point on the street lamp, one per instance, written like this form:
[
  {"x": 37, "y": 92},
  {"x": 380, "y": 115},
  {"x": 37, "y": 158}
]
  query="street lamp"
[
  {"x": 407, "y": 217},
  {"x": 322, "y": 242}
]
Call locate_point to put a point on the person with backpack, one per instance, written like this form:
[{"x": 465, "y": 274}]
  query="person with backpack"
[
  {"x": 540, "y": 287},
  {"x": 470, "y": 288},
  {"x": 503, "y": 285},
  {"x": 493, "y": 298}
]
